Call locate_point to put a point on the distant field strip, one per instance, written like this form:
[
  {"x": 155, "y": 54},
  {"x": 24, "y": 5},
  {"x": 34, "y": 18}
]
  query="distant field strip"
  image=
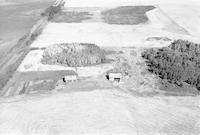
[
  {"x": 100, "y": 34},
  {"x": 43, "y": 75},
  {"x": 130, "y": 15}
]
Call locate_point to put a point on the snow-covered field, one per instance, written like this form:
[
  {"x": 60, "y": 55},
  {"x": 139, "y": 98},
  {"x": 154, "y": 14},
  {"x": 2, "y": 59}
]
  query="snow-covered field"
[
  {"x": 99, "y": 112},
  {"x": 108, "y": 111},
  {"x": 5, "y": 2},
  {"x": 111, "y": 3},
  {"x": 184, "y": 12},
  {"x": 91, "y": 71},
  {"x": 32, "y": 62},
  {"x": 187, "y": 16},
  {"x": 104, "y": 35},
  {"x": 162, "y": 23}
]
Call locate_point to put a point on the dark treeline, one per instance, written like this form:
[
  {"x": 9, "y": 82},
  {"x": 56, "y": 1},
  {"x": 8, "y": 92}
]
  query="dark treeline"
[{"x": 177, "y": 63}]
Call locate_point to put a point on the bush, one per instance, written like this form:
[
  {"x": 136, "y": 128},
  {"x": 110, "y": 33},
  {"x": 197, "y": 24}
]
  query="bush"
[
  {"x": 177, "y": 63},
  {"x": 74, "y": 54}
]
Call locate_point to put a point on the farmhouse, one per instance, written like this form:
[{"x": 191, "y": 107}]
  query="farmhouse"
[
  {"x": 70, "y": 78},
  {"x": 114, "y": 76}
]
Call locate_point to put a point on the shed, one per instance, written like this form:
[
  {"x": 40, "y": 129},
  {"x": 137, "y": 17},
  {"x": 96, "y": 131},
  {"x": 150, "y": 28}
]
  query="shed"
[
  {"x": 114, "y": 76},
  {"x": 70, "y": 78}
]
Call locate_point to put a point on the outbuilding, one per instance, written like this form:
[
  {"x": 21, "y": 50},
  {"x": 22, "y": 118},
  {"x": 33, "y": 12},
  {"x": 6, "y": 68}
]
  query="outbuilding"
[
  {"x": 70, "y": 78},
  {"x": 114, "y": 76}
]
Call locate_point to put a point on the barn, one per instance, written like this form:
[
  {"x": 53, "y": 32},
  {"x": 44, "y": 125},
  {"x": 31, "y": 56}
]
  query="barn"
[
  {"x": 114, "y": 76},
  {"x": 70, "y": 78}
]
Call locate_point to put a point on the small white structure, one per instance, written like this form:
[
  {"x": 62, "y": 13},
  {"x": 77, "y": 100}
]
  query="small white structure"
[
  {"x": 70, "y": 78},
  {"x": 114, "y": 76}
]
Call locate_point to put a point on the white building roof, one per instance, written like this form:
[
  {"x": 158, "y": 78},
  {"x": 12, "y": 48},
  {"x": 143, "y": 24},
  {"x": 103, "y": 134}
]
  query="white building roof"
[{"x": 115, "y": 75}]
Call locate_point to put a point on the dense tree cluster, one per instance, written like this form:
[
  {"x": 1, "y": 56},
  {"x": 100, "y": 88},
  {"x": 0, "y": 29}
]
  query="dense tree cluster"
[
  {"x": 73, "y": 54},
  {"x": 178, "y": 63}
]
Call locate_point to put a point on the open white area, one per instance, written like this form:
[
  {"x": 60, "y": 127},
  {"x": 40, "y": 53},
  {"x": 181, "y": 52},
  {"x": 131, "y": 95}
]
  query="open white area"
[
  {"x": 164, "y": 21},
  {"x": 107, "y": 3},
  {"x": 90, "y": 71},
  {"x": 184, "y": 12},
  {"x": 32, "y": 62},
  {"x": 101, "y": 34},
  {"x": 99, "y": 112},
  {"x": 105, "y": 111},
  {"x": 187, "y": 16}
]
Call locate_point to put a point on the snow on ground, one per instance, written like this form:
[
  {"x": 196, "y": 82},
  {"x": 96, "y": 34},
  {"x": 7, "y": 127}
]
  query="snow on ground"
[
  {"x": 187, "y": 16},
  {"x": 32, "y": 62},
  {"x": 153, "y": 18},
  {"x": 93, "y": 70},
  {"x": 161, "y": 24},
  {"x": 158, "y": 16},
  {"x": 184, "y": 12},
  {"x": 6, "y": 2},
  {"x": 110, "y": 3},
  {"x": 99, "y": 112},
  {"x": 102, "y": 34}
]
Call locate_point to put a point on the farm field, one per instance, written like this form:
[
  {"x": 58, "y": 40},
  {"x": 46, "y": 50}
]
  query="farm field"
[
  {"x": 102, "y": 100},
  {"x": 17, "y": 18},
  {"x": 57, "y": 98},
  {"x": 180, "y": 15},
  {"x": 99, "y": 111},
  {"x": 90, "y": 32},
  {"x": 95, "y": 29},
  {"x": 115, "y": 3}
]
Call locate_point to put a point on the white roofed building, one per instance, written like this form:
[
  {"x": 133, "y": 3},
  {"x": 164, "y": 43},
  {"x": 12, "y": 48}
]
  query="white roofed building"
[{"x": 114, "y": 76}]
